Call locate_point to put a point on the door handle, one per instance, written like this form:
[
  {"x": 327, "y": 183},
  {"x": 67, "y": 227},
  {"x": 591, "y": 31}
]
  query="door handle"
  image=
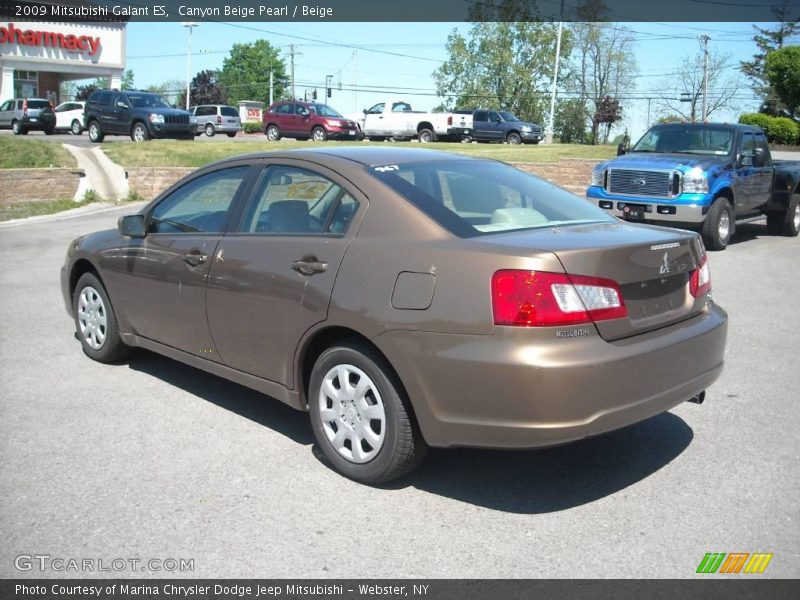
[
  {"x": 309, "y": 265},
  {"x": 194, "y": 258}
]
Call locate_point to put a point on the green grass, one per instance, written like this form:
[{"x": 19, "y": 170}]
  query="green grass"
[
  {"x": 172, "y": 153},
  {"x": 21, "y": 153},
  {"x": 23, "y": 210}
]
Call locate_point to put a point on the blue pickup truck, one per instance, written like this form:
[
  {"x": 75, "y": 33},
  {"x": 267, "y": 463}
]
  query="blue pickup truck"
[{"x": 701, "y": 176}]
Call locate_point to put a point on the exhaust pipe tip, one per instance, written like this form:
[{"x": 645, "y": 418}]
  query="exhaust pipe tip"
[{"x": 699, "y": 398}]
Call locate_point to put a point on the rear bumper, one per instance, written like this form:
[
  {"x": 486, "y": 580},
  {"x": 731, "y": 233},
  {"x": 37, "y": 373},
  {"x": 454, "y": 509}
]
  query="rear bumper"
[
  {"x": 43, "y": 124},
  {"x": 503, "y": 391}
]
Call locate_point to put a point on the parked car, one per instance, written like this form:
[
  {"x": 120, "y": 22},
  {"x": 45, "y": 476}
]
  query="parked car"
[
  {"x": 213, "y": 118},
  {"x": 701, "y": 176},
  {"x": 307, "y": 120},
  {"x": 405, "y": 298},
  {"x": 69, "y": 117},
  {"x": 28, "y": 114},
  {"x": 503, "y": 126},
  {"x": 401, "y": 122},
  {"x": 141, "y": 115}
]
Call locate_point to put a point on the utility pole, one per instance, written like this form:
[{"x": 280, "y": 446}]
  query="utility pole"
[
  {"x": 271, "y": 86},
  {"x": 704, "y": 39},
  {"x": 292, "y": 54},
  {"x": 648, "y": 113},
  {"x": 548, "y": 138},
  {"x": 355, "y": 81},
  {"x": 189, "y": 25}
]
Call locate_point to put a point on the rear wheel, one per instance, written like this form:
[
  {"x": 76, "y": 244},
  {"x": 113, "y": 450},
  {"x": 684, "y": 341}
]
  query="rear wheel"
[
  {"x": 513, "y": 138},
  {"x": 96, "y": 134},
  {"x": 273, "y": 133},
  {"x": 318, "y": 134},
  {"x": 426, "y": 136},
  {"x": 76, "y": 128},
  {"x": 139, "y": 133},
  {"x": 210, "y": 131},
  {"x": 718, "y": 226},
  {"x": 50, "y": 131},
  {"x": 786, "y": 223},
  {"x": 232, "y": 134},
  {"x": 362, "y": 421},
  {"x": 96, "y": 322}
]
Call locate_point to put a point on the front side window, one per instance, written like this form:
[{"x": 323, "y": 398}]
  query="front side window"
[
  {"x": 292, "y": 200},
  {"x": 473, "y": 197},
  {"x": 7, "y": 105},
  {"x": 200, "y": 206}
]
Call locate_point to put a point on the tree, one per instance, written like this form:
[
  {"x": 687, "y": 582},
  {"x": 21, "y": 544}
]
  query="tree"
[
  {"x": 174, "y": 91},
  {"x": 782, "y": 70},
  {"x": 205, "y": 88},
  {"x": 245, "y": 73},
  {"x": 82, "y": 92},
  {"x": 687, "y": 82},
  {"x": 570, "y": 121},
  {"x": 506, "y": 66},
  {"x": 602, "y": 69},
  {"x": 769, "y": 40}
]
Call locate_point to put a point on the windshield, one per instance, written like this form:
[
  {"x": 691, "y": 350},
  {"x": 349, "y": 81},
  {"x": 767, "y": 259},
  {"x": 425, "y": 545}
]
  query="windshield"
[
  {"x": 688, "y": 139},
  {"x": 323, "y": 110},
  {"x": 148, "y": 101},
  {"x": 507, "y": 116},
  {"x": 475, "y": 197}
]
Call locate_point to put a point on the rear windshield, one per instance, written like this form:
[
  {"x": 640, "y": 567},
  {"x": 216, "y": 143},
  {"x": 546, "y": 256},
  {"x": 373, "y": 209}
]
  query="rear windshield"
[
  {"x": 229, "y": 111},
  {"x": 38, "y": 104},
  {"x": 474, "y": 197}
]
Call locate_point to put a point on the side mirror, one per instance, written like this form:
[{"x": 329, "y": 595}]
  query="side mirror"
[
  {"x": 131, "y": 226},
  {"x": 759, "y": 157},
  {"x": 364, "y": 110},
  {"x": 121, "y": 104},
  {"x": 622, "y": 149}
]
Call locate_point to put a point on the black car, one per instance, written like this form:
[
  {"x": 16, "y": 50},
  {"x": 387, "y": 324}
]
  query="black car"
[
  {"x": 502, "y": 126},
  {"x": 141, "y": 115}
]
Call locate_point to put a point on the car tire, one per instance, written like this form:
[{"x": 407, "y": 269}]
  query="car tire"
[
  {"x": 75, "y": 127},
  {"x": 50, "y": 131},
  {"x": 785, "y": 223},
  {"x": 232, "y": 134},
  {"x": 390, "y": 444},
  {"x": 210, "y": 131},
  {"x": 718, "y": 225},
  {"x": 513, "y": 138},
  {"x": 139, "y": 132},
  {"x": 17, "y": 128},
  {"x": 273, "y": 133},
  {"x": 318, "y": 134},
  {"x": 426, "y": 136},
  {"x": 95, "y": 321},
  {"x": 96, "y": 134}
]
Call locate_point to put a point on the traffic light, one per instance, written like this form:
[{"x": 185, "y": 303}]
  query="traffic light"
[
  {"x": 314, "y": 95},
  {"x": 329, "y": 92}
]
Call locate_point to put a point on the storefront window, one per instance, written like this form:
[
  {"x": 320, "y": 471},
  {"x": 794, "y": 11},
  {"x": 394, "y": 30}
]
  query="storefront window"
[{"x": 26, "y": 84}]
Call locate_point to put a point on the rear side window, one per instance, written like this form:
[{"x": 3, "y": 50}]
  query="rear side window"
[
  {"x": 103, "y": 98},
  {"x": 474, "y": 197},
  {"x": 284, "y": 109},
  {"x": 229, "y": 111},
  {"x": 206, "y": 111}
]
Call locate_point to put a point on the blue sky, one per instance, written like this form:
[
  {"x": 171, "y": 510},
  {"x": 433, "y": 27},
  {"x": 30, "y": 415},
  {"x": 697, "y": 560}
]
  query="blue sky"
[{"x": 404, "y": 55}]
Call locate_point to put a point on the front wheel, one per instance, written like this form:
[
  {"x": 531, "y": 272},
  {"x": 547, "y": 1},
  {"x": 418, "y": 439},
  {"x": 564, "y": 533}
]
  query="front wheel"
[
  {"x": 513, "y": 138},
  {"x": 318, "y": 134},
  {"x": 17, "y": 128},
  {"x": 785, "y": 223},
  {"x": 139, "y": 133},
  {"x": 96, "y": 134},
  {"x": 361, "y": 419},
  {"x": 76, "y": 128},
  {"x": 96, "y": 322},
  {"x": 718, "y": 226},
  {"x": 273, "y": 133}
]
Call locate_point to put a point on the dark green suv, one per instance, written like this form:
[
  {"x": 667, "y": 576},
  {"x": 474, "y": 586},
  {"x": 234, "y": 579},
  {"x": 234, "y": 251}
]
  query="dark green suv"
[{"x": 141, "y": 115}]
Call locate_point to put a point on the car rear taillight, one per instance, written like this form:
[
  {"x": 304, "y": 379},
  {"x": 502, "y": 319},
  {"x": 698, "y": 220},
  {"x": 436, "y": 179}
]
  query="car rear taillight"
[
  {"x": 24, "y": 108},
  {"x": 542, "y": 299},
  {"x": 450, "y": 121},
  {"x": 700, "y": 281},
  {"x": 219, "y": 120}
]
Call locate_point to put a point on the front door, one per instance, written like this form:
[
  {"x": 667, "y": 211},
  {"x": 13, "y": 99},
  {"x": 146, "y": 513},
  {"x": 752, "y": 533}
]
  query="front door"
[
  {"x": 162, "y": 277},
  {"x": 5, "y": 114},
  {"x": 272, "y": 281}
]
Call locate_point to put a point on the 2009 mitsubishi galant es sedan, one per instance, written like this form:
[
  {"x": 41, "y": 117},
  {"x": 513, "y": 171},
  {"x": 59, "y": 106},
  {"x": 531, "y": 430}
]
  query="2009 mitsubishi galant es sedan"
[{"x": 405, "y": 299}]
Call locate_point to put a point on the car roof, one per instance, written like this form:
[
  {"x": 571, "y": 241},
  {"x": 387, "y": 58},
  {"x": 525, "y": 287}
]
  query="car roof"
[
  {"x": 734, "y": 126},
  {"x": 368, "y": 155}
]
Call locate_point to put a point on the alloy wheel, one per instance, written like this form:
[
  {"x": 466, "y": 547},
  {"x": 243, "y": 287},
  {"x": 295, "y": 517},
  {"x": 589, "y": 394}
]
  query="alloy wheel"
[{"x": 92, "y": 318}]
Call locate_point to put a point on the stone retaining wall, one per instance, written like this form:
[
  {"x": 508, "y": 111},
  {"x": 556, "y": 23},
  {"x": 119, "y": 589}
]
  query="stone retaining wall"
[
  {"x": 149, "y": 182},
  {"x": 35, "y": 185}
]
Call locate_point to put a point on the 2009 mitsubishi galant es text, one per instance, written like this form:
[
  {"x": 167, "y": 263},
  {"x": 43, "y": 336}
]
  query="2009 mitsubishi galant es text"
[{"x": 406, "y": 299}]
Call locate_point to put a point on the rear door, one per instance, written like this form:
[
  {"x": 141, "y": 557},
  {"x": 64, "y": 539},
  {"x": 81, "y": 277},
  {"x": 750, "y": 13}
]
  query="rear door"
[
  {"x": 272, "y": 279},
  {"x": 480, "y": 125}
]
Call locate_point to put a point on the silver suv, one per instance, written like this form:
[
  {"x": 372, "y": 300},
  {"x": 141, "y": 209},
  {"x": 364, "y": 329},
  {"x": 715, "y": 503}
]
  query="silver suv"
[
  {"x": 24, "y": 115},
  {"x": 213, "y": 118}
]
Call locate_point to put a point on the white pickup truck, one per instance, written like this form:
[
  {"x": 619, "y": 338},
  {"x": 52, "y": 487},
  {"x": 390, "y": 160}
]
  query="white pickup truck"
[{"x": 397, "y": 120}]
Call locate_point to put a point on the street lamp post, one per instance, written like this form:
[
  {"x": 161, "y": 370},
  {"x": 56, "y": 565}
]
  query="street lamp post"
[{"x": 190, "y": 25}]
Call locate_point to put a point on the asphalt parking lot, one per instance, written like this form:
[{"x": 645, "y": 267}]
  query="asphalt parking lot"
[{"x": 153, "y": 459}]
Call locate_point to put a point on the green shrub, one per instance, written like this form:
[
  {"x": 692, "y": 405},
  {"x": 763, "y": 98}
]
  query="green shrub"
[
  {"x": 779, "y": 130},
  {"x": 252, "y": 127}
]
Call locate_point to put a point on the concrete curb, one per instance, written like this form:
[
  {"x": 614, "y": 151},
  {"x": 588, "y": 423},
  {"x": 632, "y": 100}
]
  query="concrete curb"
[{"x": 95, "y": 208}]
